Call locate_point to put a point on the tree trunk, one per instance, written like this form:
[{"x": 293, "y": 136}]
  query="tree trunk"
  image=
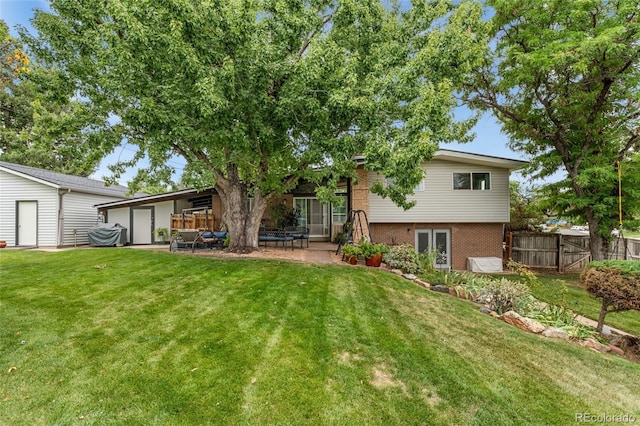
[
  {"x": 598, "y": 245},
  {"x": 243, "y": 225},
  {"x": 603, "y": 313}
]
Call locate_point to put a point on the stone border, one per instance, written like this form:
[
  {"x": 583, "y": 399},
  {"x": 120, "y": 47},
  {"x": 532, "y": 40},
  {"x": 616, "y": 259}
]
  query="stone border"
[{"x": 523, "y": 323}]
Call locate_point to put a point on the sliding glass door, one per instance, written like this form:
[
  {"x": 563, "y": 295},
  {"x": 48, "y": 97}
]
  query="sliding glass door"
[{"x": 314, "y": 215}]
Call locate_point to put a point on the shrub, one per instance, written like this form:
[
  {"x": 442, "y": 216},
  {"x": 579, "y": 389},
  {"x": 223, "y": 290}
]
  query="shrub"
[
  {"x": 351, "y": 250},
  {"x": 427, "y": 260},
  {"x": 617, "y": 283},
  {"x": 403, "y": 257},
  {"x": 504, "y": 295},
  {"x": 453, "y": 278},
  {"x": 562, "y": 318}
]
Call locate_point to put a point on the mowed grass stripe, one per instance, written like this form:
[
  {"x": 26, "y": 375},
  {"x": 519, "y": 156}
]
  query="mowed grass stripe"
[{"x": 125, "y": 336}]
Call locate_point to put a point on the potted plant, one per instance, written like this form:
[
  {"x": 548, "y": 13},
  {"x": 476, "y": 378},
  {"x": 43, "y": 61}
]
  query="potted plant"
[
  {"x": 351, "y": 252},
  {"x": 162, "y": 234},
  {"x": 372, "y": 253}
]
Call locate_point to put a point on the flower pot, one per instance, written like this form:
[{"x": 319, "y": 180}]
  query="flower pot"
[
  {"x": 352, "y": 260},
  {"x": 3, "y": 244},
  {"x": 374, "y": 261}
]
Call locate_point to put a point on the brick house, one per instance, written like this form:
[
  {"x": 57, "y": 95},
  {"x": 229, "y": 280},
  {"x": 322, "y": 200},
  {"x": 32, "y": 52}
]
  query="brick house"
[{"x": 461, "y": 208}]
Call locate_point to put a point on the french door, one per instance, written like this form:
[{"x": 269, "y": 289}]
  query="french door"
[{"x": 435, "y": 239}]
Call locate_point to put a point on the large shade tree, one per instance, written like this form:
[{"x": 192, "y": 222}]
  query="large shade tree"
[
  {"x": 259, "y": 94},
  {"x": 563, "y": 78},
  {"x": 42, "y": 124}
]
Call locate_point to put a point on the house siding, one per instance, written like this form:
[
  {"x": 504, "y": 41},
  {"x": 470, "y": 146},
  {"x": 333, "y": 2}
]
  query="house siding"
[
  {"x": 439, "y": 202},
  {"x": 79, "y": 216},
  {"x": 120, "y": 216},
  {"x": 162, "y": 218},
  {"x": 15, "y": 188}
]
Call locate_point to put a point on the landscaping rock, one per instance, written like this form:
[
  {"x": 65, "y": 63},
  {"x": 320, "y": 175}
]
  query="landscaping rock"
[
  {"x": 616, "y": 350},
  {"x": 422, "y": 283},
  {"x": 440, "y": 288},
  {"x": 591, "y": 344},
  {"x": 397, "y": 271},
  {"x": 555, "y": 333},
  {"x": 523, "y": 323},
  {"x": 627, "y": 343},
  {"x": 485, "y": 310},
  {"x": 494, "y": 314},
  {"x": 409, "y": 276}
]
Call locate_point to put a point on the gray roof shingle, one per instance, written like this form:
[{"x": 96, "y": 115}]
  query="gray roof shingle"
[{"x": 74, "y": 183}]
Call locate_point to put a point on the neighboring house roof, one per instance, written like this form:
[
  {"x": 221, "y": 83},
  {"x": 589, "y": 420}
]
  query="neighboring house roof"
[
  {"x": 467, "y": 157},
  {"x": 66, "y": 182}
]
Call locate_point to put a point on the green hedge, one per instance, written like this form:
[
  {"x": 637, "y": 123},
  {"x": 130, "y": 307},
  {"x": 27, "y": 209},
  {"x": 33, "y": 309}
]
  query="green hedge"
[{"x": 625, "y": 266}]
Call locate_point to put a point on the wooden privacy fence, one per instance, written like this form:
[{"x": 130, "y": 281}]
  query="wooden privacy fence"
[
  {"x": 564, "y": 253},
  {"x": 193, "y": 219}
]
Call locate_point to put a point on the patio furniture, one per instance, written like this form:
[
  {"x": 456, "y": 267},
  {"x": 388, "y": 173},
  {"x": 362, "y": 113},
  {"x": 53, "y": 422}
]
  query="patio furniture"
[
  {"x": 183, "y": 239},
  {"x": 209, "y": 240},
  {"x": 298, "y": 233},
  {"x": 276, "y": 235}
]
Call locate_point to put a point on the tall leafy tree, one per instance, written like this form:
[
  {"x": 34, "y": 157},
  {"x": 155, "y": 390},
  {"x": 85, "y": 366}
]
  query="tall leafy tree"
[
  {"x": 525, "y": 209},
  {"x": 563, "y": 78},
  {"x": 258, "y": 94},
  {"x": 41, "y": 123}
]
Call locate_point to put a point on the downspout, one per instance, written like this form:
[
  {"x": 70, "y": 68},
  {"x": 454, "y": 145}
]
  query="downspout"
[
  {"x": 60, "y": 242},
  {"x": 348, "y": 197}
]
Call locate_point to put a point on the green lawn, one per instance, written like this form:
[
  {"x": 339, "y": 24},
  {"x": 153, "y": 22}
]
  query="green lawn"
[
  {"x": 121, "y": 336},
  {"x": 566, "y": 289}
]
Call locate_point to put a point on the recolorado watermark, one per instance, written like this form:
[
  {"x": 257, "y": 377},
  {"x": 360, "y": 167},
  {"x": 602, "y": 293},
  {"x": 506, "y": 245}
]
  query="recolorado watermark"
[{"x": 605, "y": 418}]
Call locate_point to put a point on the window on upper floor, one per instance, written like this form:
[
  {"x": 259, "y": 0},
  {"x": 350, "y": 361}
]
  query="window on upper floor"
[
  {"x": 419, "y": 187},
  {"x": 472, "y": 181}
]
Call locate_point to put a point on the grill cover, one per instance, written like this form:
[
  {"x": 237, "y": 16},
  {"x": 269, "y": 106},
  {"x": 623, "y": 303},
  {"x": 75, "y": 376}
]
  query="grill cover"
[
  {"x": 108, "y": 235},
  {"x": 484, "y": 264}
]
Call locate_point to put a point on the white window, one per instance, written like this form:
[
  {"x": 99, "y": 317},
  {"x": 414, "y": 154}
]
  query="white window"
[
  {"x": 472, "y": 181},
  {"x": 419, "y": 187},
  {"x": 339, "y": 211}
]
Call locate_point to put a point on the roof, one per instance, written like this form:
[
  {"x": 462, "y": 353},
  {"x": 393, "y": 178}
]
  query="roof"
[
  {"x": 487, "y": 160},
  {"x": 467, "y": 157},
  {"x": 443, "y": 154},
  {"x": 63, "y": 181},
  {"x": 168, "y": 196}
]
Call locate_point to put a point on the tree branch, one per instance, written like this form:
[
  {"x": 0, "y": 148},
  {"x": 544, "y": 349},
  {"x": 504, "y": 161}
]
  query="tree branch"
[{"x": 307, "y": 42}]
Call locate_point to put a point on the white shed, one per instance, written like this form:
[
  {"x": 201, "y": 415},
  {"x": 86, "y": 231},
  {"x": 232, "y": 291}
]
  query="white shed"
[{"x": 48, "y": 209}]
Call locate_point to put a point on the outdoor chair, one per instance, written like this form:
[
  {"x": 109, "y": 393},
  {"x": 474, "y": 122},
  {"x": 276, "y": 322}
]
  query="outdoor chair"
[{"x": 298, "y": 233}]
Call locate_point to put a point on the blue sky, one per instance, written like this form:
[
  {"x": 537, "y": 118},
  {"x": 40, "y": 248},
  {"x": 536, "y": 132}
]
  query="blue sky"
[{"x": 488, "y": 138}]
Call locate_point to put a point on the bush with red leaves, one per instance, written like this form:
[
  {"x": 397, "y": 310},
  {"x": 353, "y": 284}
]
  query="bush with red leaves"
[{"x": 617, "y": 283}]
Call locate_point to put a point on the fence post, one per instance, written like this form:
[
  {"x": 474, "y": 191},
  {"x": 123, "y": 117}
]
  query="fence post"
[
  {"x": 508, "y": 245},
  {"x": 560, "y": 253},
  {"x": 625, "y": 242}
]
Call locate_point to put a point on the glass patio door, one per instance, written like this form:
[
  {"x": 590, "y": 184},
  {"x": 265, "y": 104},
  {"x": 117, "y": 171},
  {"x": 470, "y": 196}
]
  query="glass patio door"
[{"x": 314, "y": 215}]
